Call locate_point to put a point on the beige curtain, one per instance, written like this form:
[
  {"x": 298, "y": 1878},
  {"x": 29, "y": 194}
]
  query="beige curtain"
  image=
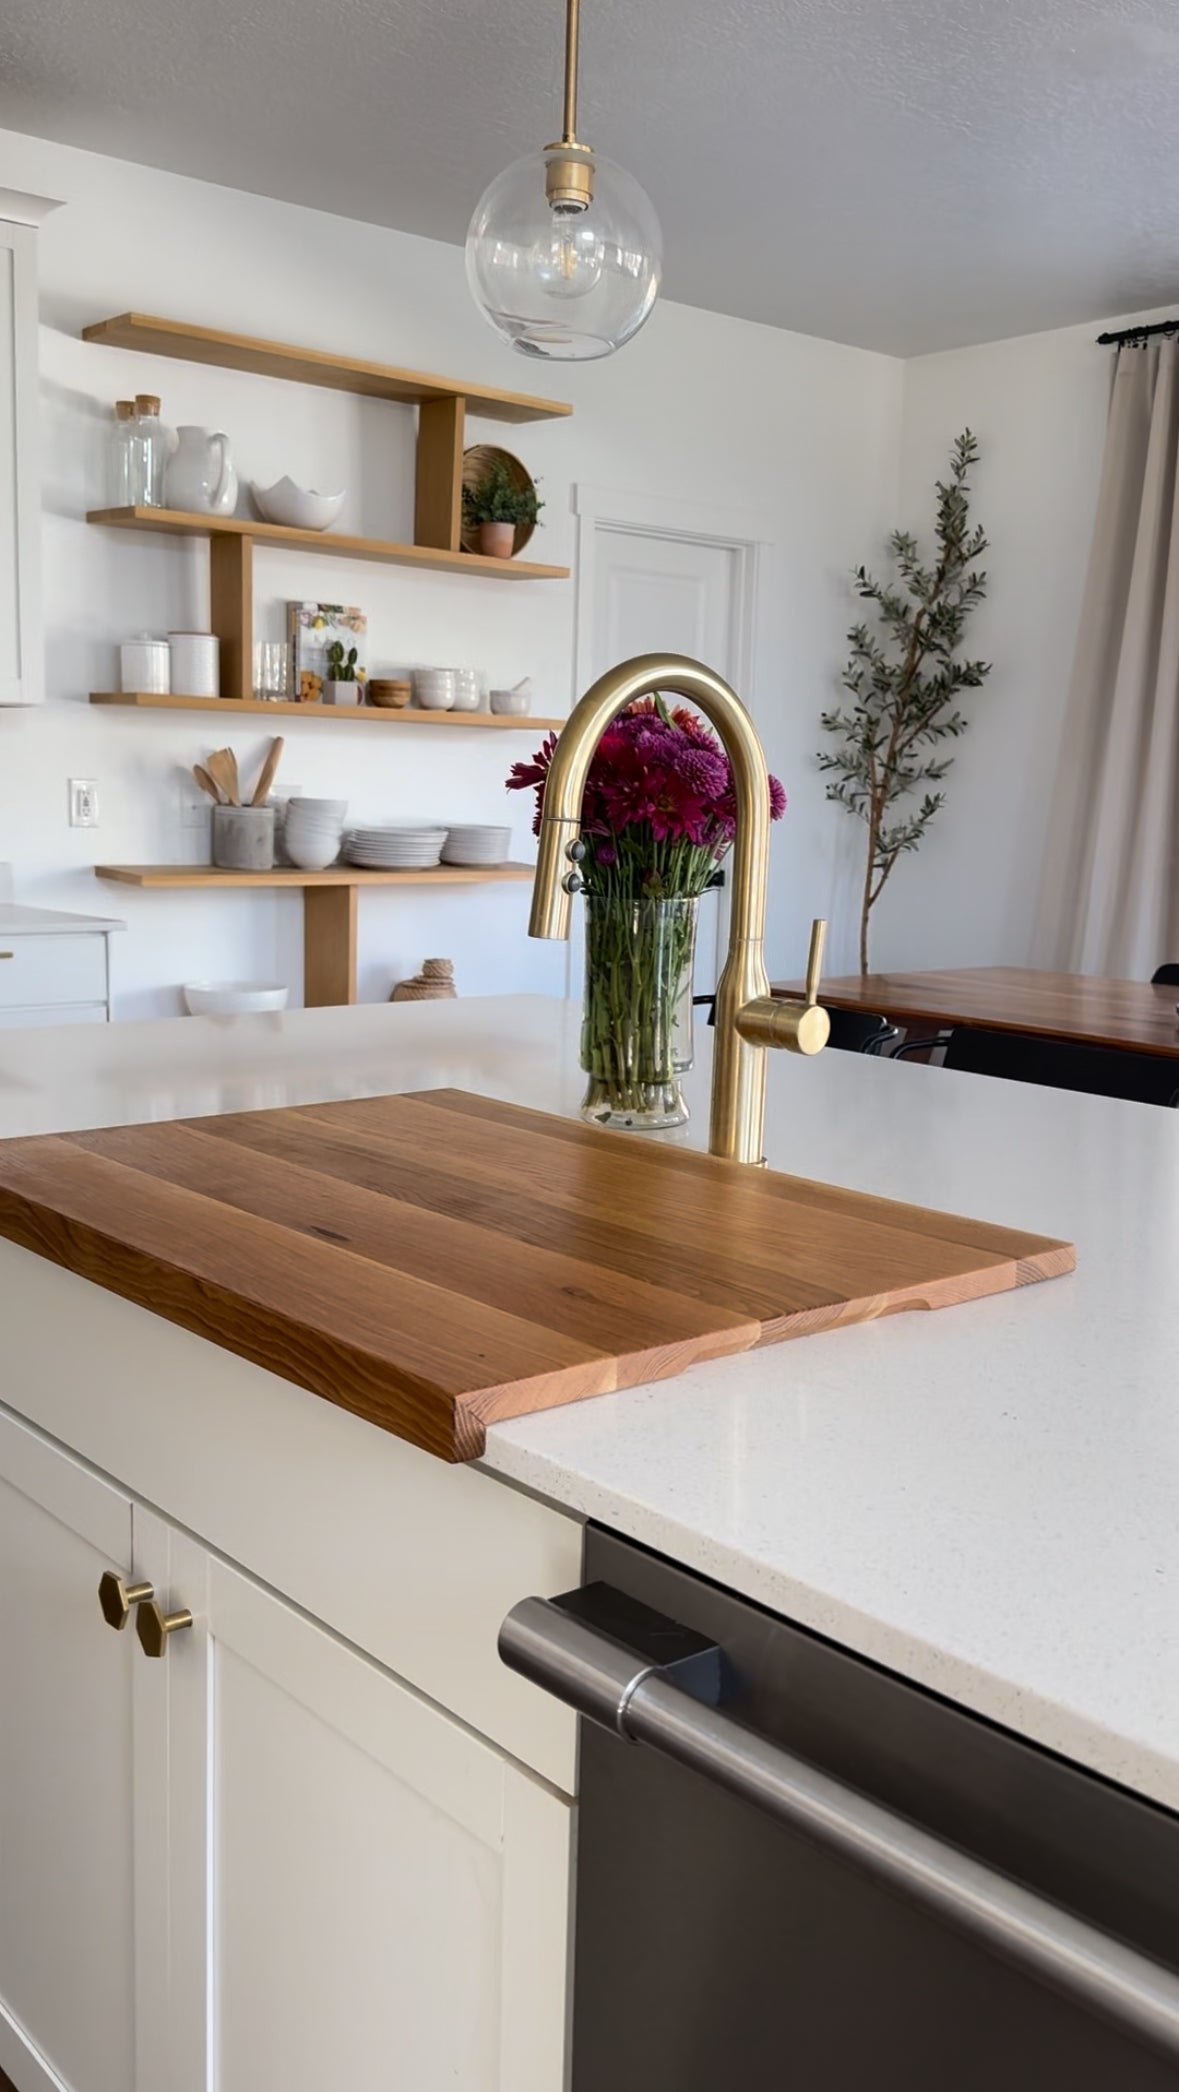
[{"x": 1109, "y": 901}]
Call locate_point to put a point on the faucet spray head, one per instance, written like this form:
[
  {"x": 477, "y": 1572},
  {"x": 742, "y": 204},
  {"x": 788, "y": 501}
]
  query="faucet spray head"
[{"x": 557, "y": 877}]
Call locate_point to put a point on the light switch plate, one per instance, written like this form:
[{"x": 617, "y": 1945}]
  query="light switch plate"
[{"x": 83, "y": 802}]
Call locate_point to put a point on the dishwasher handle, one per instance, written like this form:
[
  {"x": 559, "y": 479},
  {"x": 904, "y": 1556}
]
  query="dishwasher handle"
[{"x": 645, "y": 1700}]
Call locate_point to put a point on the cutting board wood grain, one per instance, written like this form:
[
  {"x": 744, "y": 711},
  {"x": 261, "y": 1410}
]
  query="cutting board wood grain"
[{"x": 438, "y": 1262}]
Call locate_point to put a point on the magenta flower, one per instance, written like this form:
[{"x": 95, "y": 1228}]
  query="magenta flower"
[{"x": 659, "y": 810}]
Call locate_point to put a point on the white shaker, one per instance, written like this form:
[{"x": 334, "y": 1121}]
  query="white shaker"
[
  {"x": 196, "y": 663},
  {"x": 144, "y": 664}
]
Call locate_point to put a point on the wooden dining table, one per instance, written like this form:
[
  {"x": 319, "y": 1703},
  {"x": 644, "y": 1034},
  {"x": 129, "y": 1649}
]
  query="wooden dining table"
[{"x": 1085, "y": 1008}]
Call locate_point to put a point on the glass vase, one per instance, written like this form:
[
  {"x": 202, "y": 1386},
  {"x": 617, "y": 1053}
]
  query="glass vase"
[{"x": 638, "y": 962}]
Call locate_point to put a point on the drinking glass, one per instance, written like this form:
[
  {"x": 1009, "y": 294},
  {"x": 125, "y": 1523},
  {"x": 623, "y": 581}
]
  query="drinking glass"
[{"x": 272, "y": 671}]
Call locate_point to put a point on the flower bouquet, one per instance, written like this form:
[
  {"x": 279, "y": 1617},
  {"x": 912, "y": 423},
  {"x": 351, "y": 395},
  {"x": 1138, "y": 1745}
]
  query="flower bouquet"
[{"x": 658, "y": 815}]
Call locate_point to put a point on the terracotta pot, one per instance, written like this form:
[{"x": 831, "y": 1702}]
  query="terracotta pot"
[{"x": 498, "y": 540}]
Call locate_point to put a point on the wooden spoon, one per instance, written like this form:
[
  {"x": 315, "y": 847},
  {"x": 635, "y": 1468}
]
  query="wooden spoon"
[
  {"x": 207, "y": 783},
  {"x": 222, "y": 768},
  {"x": 266, "y": 774}
]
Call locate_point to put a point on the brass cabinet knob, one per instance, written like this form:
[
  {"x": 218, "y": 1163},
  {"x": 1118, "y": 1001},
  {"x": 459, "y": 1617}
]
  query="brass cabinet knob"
[
  {"x": 153, "y": 1626},
  {"x": 116, "y": 1597}
]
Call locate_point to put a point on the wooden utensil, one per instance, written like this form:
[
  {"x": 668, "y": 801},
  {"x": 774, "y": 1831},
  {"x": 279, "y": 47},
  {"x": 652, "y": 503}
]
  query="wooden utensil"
[
  {"x": 222, "y": 768},
  {"x": 207, "y": 783},
  {"x": 266, "y": 774}
]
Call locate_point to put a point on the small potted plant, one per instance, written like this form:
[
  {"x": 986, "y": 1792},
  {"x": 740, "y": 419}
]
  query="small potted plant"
[
  {"x": 341, "y": 685},
  {"x": 497, "y": 505}
]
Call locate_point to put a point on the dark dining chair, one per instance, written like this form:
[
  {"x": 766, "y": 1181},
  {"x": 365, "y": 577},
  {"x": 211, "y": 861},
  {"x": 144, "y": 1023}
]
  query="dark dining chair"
[
  {"x": 1058, "y": 1064},
  {"x": 1165, "y": 977}
]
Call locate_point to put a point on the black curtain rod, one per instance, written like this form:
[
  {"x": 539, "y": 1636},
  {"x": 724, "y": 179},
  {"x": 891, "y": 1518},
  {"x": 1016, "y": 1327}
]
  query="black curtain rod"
[{"x": 1137, "y": 335}]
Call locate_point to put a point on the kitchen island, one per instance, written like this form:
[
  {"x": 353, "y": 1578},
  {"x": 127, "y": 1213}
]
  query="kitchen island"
[{"x": 981, "y": 1500}]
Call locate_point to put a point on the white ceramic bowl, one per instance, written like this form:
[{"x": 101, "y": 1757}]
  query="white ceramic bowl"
[
  {"x": 233, "y": 998},
  {"x": 300, "y": 507},
  {"x": 312, "y": 853},
  {"x": 511, "y": 704},
  {"x": 321, "y": 809}
]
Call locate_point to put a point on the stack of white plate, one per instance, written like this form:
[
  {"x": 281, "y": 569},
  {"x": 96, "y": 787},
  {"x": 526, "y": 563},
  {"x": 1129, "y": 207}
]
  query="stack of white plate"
[
  {"x": 399, "y": 848},
  {"x": 476, "y": 845}
]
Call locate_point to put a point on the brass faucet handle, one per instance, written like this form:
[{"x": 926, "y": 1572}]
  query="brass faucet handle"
[
  {"x": 782, "y": 1020},
  {"x": 814, "y": 958}
]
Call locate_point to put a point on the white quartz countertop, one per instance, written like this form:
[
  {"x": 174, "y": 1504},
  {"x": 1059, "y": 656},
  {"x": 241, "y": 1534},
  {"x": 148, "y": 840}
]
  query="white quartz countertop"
[{"x": 985, "y": 1499}]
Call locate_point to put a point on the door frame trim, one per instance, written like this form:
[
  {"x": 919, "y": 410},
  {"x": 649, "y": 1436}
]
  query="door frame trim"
[{"x": 692, "y": 522}]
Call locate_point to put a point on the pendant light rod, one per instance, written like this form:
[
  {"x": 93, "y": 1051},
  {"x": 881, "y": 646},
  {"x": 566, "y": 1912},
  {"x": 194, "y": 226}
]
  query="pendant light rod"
[{"x": 572, "y": 35}]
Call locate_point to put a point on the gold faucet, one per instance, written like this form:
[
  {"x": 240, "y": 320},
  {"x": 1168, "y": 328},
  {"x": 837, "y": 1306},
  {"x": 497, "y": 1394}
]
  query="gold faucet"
[{"x": 748, "y": 1018}]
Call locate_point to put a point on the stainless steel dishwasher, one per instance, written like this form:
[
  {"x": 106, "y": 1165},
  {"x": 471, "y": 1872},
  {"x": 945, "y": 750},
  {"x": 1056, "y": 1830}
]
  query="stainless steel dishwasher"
[{"x": 798, "y": 1873}]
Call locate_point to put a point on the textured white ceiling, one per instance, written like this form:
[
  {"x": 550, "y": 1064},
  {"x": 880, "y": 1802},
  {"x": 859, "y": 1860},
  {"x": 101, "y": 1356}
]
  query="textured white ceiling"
[{"x": 903, "y": 174}]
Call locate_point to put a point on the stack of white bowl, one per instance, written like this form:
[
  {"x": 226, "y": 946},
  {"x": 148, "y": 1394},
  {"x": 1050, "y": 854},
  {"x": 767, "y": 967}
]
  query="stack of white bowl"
[
  {"x": 396, "y": 847},
  {"x": 447, "y": 689},
  {"x": 476, "y": 845},
  {"x": 313, "y": 832}
]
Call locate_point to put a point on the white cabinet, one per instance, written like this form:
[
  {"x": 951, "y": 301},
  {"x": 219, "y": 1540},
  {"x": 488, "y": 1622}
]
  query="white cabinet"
[
  {"x": 54, "y": 968},
  {"x": 67, "y": 1803},
  {"x": 260, "y": 1860},
  {"x": 21, "y": 673}
]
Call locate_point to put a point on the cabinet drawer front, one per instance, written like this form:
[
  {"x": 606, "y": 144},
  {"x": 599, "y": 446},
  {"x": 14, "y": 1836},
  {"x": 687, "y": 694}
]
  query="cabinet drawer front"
[{"x": 43, "y": 971}]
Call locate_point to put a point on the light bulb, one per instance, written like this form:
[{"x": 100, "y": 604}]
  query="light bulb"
[
  {"x": 566, "y": 277},
  {"x": 568, "y": 260}
]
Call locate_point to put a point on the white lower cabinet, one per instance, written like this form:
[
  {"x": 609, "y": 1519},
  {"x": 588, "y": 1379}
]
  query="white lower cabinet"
[
  {"x": 259, "y": 1862},
  {"x": 67, "y": 1788}
]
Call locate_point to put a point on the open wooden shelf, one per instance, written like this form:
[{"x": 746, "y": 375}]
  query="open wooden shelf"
[
  {"x": 432, "y": 558},
  {"x": 442, "y": 405},
  {"x": 330, "y": 907},
  {"x": 373, "y": 715},
  {"x": 207, "y": 875},
  {"x": 275, "y": 359}
]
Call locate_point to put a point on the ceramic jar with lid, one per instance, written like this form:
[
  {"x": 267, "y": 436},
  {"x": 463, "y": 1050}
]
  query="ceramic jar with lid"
[
  {"x": 196, "y": 663},
  {"x": 145, "y": 664}
]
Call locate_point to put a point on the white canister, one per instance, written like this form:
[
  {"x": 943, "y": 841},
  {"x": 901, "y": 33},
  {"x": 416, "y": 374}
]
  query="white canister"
[
  {"x": 196, "y": 663},
  {"x": 144, "y": 664}
]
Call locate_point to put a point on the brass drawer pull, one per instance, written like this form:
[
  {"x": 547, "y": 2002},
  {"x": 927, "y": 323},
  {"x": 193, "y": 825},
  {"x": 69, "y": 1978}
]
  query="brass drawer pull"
[
  {"x": 153, "y": 1626},
  {"x": 7, "y": 955},
  {"x": 116, "y": 1596}
]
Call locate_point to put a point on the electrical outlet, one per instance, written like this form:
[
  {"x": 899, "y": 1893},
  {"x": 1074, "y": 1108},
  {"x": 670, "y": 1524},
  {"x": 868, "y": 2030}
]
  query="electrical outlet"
[{"x": 83, "y": 802}]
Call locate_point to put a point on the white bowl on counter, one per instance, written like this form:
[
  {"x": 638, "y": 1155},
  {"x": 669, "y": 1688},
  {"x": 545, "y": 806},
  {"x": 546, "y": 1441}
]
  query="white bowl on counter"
[
  {"x": 300, "y": 508},
  {"x": 233, "y": 998}
]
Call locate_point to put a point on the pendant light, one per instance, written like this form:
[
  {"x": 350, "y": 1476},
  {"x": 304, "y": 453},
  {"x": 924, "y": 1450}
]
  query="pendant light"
[{"x": 564, "y": 250}]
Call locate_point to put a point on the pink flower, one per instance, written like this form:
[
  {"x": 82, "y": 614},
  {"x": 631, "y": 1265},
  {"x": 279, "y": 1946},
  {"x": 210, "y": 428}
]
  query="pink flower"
[{"x": 657, "y": 780}]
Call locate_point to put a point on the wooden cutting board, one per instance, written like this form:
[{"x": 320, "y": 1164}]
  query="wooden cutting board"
[{"x": 437, "y": 1262}]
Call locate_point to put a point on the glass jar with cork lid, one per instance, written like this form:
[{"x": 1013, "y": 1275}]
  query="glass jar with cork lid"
[{"x": 148, "y": 451}]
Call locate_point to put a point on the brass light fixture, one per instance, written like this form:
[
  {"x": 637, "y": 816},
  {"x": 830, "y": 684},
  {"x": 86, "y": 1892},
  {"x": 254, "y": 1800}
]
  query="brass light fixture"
[{"x": 564, "y": 251}]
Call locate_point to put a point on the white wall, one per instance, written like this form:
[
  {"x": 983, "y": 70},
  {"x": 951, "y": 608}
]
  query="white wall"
[
  {"x": 1038, "y": 407},
  {"x": 699, "y": 407}
]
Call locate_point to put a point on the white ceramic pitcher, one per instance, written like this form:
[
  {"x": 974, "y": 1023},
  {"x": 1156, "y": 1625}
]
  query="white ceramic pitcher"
[{"x": 200, "y": 477}]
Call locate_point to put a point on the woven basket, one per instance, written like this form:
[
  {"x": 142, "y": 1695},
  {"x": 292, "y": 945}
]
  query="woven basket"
[{"x": 475, "y": 465}]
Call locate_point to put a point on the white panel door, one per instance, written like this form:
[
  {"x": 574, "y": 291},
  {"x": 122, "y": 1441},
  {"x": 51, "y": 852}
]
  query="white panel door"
[
  {"x": 67, "y": 2011},
  {"x": 656, "y": 594},
  {"x": 662, "y": 594},
  {"x": 383, "y": 1896}
]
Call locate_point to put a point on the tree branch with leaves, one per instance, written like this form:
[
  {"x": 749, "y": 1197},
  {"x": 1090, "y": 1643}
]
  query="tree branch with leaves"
[{"x": 904, "y": 679}]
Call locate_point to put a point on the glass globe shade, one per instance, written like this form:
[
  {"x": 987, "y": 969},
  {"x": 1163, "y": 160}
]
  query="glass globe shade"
[{"x": 556, "y": 281}]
